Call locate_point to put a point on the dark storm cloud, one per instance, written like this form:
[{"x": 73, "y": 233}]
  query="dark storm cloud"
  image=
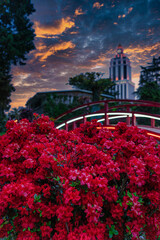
[{"x": 78, "y": 36}]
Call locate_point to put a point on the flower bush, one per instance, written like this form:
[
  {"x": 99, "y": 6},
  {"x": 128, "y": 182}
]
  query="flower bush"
[{"x": 86, "y": 184}]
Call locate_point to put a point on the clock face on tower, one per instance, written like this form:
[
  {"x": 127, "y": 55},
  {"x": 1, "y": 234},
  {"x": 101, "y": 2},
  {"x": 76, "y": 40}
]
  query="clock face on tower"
[{"x": 119, "y": 51}]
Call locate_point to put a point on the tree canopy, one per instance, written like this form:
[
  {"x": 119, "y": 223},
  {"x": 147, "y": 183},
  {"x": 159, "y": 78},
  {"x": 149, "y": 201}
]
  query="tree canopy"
[
  {"x": 94, "y": 82},
  {"x": 149, "y": 83},
  {"x": 149, "y": 91},
  {"x": 16, "y": 40}
]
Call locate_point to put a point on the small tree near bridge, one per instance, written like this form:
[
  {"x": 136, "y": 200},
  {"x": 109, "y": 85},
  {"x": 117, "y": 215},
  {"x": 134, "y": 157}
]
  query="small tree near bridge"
[{"x": 94, "y": 82}]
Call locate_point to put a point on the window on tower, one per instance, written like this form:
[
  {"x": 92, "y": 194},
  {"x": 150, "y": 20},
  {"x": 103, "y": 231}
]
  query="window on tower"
[
  {"x": 121, "y": 91},
  {"x": 125, "y": 72},
  {"x": 119, "y": 72},
  {"x": 114, "y": 73},
  {"x": 125, "y": 90},
  {"x": 118, "y": 90}
]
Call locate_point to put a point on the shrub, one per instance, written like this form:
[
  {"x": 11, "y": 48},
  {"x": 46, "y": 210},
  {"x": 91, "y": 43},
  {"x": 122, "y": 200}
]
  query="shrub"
[
  {"x": 3, "y": 121},
  {"x": 86, "y": 184}
]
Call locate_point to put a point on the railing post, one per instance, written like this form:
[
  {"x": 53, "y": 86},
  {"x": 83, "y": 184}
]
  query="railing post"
[
  {"x": 106, "y": 115},
  {"x": 133, "y": 120},
  {"x": 66, "y": 127},
  {"x": 106, "y": 107},
  {"x": 84, "y": 119},
  {"x": 128, "y": 120},
  {"x": 128, "y": 117},
  {"x": 152, "y": 123},
  {"x": 74, "y": 125},
  {"x": 106, "y": 119}
]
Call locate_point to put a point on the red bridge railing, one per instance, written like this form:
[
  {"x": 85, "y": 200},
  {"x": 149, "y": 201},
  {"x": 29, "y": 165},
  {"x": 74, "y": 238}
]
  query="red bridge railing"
[{"x": 107, "y": 110}]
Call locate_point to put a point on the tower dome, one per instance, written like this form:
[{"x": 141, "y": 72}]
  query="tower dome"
[{"x": 119, "y": 49}]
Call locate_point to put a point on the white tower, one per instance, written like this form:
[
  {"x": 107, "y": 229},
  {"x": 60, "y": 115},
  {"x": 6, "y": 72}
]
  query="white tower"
[{"x": 120, "y": 73}]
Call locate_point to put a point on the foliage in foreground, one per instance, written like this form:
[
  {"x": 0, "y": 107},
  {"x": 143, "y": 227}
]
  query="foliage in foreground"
[{"x": 88, "y": 184}]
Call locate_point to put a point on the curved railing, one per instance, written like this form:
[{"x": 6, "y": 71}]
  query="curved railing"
[
  {"x": 107, "y": 111},
  {"x": 131, "y": 103}
]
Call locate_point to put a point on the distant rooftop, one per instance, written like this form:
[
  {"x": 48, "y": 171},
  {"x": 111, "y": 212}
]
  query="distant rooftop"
[{"x": 66, "y": 91}]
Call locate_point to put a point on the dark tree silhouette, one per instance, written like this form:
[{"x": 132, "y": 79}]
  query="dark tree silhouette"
[
  {"x": 16, "y": 40},
  {"x": 149, "y": 84}
]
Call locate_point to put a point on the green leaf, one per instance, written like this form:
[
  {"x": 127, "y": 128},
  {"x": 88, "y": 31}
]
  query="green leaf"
[
  {"x": 48, "y": 223},
  {"x": 129, "y": 230},
  {"x": 24, "y": 229},
  {"x": 128, "y": 227},
  {"x": 120, "y": 202},
  {"x": 112, "y": 231},
  {"x": 140, "y": 200},
  {"x": 15, "y": 216},
  {"x": 57, "y": 179},
  {"x": 73, "y": 184},
  {"x": 115, "y": 232},
  {"x": 40, "y": 212},
  {"x": 129, "y": 203},
  {"x": 37, "y": 198},
  {"x": 110, "y": 234},
  {"x": 135, "y": 194},
  {"x": 129, "y": 194}
]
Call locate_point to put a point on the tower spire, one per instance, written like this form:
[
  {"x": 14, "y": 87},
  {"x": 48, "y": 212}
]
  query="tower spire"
[{"x": 119, "y": 49}]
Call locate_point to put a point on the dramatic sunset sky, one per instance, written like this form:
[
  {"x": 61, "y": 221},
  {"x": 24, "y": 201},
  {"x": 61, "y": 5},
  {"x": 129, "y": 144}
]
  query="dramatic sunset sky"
[{"x": 75, "y": 36}]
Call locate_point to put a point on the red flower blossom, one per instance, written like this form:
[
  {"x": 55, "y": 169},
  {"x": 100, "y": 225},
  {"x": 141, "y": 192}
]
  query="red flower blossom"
[{"x": 86, "y": 184}]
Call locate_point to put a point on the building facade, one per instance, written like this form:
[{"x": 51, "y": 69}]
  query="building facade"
[
  {"x": 38, "y": 101},
  {"x": 120, "y": 73}
]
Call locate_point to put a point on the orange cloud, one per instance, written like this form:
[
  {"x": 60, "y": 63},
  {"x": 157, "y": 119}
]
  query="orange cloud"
[
  {"x": 78, "y": 11},
  {"x": 150, "y": 32},
  {"x": 135, "y": 79},
  {"x": 130, "y": 10},
  {"x": 124, "y": 15},
  {"x": 98, "y": 5},
  {"x": 52, "y": 50},
  {"x": 104, "y": 57},
  {"x": 142, "y": 50},
  {"x": 19, "y": 99},
  {"x": 74, "y": 32},
  {"x": 40, "y": 46},
  {"x": 59, "y": 27}
]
